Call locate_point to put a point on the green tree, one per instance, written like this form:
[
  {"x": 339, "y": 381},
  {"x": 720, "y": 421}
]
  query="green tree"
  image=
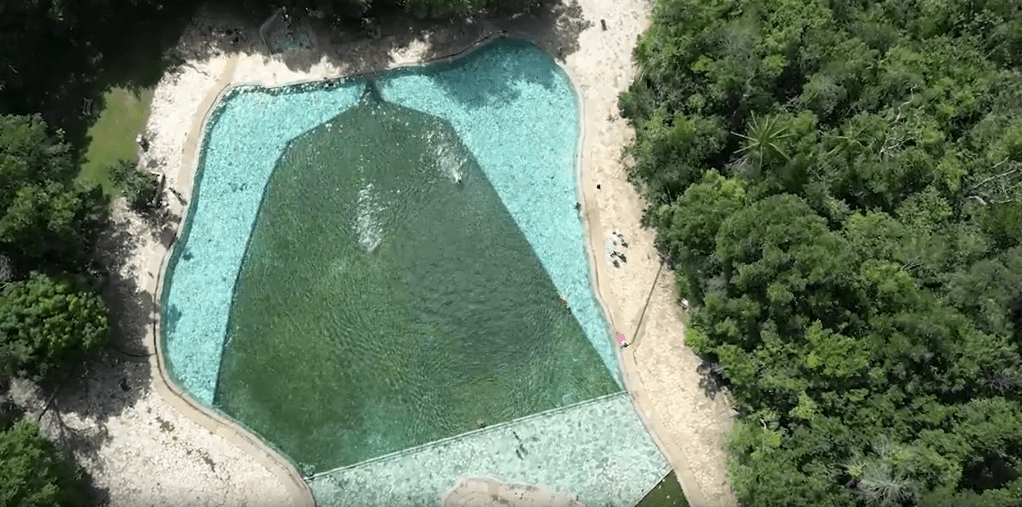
[
  {"x": 140, "y": 188},
  {"x": 28, "y": 154},
  {"x": 851, "y": 247},
  {"x": 54, "y": 223},
  {"x": 45, "y": 216},
  {"x": 763, "y": 140},
  {"x": 33, "y": 474},
  {"x": 47, "y": 324},
  {"x": 688, "y": 228}
]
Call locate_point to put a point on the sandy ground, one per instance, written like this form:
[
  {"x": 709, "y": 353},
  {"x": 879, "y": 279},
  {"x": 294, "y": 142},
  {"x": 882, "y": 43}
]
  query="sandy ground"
[
  {"x": 144, "y": 444},
  {"x": 679, "y": 405}
]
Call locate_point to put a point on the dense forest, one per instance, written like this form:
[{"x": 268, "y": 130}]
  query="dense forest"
[{"x": 838, "y": 186}]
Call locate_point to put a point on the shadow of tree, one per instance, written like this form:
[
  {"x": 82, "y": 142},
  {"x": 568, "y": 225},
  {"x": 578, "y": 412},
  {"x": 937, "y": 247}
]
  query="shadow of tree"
[
  {"x": 474, "y": 82},
  {"x": 139, "y": 47},
  {"x": 349, "y": 45},
  {"x": 135, "y": 48},
  {"x": 552, "y": 25},
  {"x": 128, "y": 49},
  {"x": 77, "y": 409},
  {"x": 711, "y": 380}
]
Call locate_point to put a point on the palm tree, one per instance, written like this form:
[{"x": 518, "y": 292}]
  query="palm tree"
[
  {"x": 763, "y": 140},
  {"x": 881, "y": 478}
]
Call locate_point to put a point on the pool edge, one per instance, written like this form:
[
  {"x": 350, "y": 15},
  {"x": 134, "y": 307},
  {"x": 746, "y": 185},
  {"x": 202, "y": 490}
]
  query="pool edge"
[
  {"x": 174, "y": 395},
  {"x": 232, "y": 431},
  {"x": 675, "y": 455}
]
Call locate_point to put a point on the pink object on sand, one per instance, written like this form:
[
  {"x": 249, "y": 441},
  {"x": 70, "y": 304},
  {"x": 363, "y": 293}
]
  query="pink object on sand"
[{"x": 620, "y": 339}]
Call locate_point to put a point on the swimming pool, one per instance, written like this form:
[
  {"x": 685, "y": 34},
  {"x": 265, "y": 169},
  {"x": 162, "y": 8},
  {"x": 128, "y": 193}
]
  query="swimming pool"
[{"x": 378, "y": 265}]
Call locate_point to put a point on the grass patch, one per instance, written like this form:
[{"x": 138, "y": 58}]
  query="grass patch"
[
  {"x": 666, "y": 494},
  {"x": 112, "y": 137},
  {"x": 134, "y": 62}
]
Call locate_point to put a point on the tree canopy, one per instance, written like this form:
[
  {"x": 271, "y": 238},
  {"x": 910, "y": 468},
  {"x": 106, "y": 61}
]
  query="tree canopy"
[
  {"x": 47, "y": 323},
  {"x": 838, "y": 185},
  {"x": 140, "y": 188},
  {"x": 45, "y": 216},
  {"x": 32, "y": 472},
  {"x": 359, "y": 7}
]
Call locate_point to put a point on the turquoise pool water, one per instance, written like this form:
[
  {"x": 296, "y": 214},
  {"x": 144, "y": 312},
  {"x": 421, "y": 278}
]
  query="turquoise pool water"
[
  {"x": 515, "y": 110},
  {"x": 357, "y": 278},
  {"x": 240, "y": 149}
]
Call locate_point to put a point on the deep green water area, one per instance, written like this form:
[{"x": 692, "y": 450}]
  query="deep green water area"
[{"x": 388, "y": 299}]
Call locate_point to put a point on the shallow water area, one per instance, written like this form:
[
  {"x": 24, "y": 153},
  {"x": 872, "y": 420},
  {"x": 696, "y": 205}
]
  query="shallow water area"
[{"x": 370, "y": 267}]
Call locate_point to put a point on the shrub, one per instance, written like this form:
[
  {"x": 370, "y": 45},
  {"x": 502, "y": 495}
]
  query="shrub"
[
  {"x": 47, "y": 323},
  {"x": 32, "y": 472},
  {"x": 139, "y": 187}
]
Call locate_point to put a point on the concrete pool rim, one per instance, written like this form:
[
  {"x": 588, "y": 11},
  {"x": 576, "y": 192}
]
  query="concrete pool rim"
[{"x": 235, "y": 432}]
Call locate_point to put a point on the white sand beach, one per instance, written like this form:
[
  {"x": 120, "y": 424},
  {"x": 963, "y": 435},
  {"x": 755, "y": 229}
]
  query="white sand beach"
[{"x": 146, "y": 445}]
